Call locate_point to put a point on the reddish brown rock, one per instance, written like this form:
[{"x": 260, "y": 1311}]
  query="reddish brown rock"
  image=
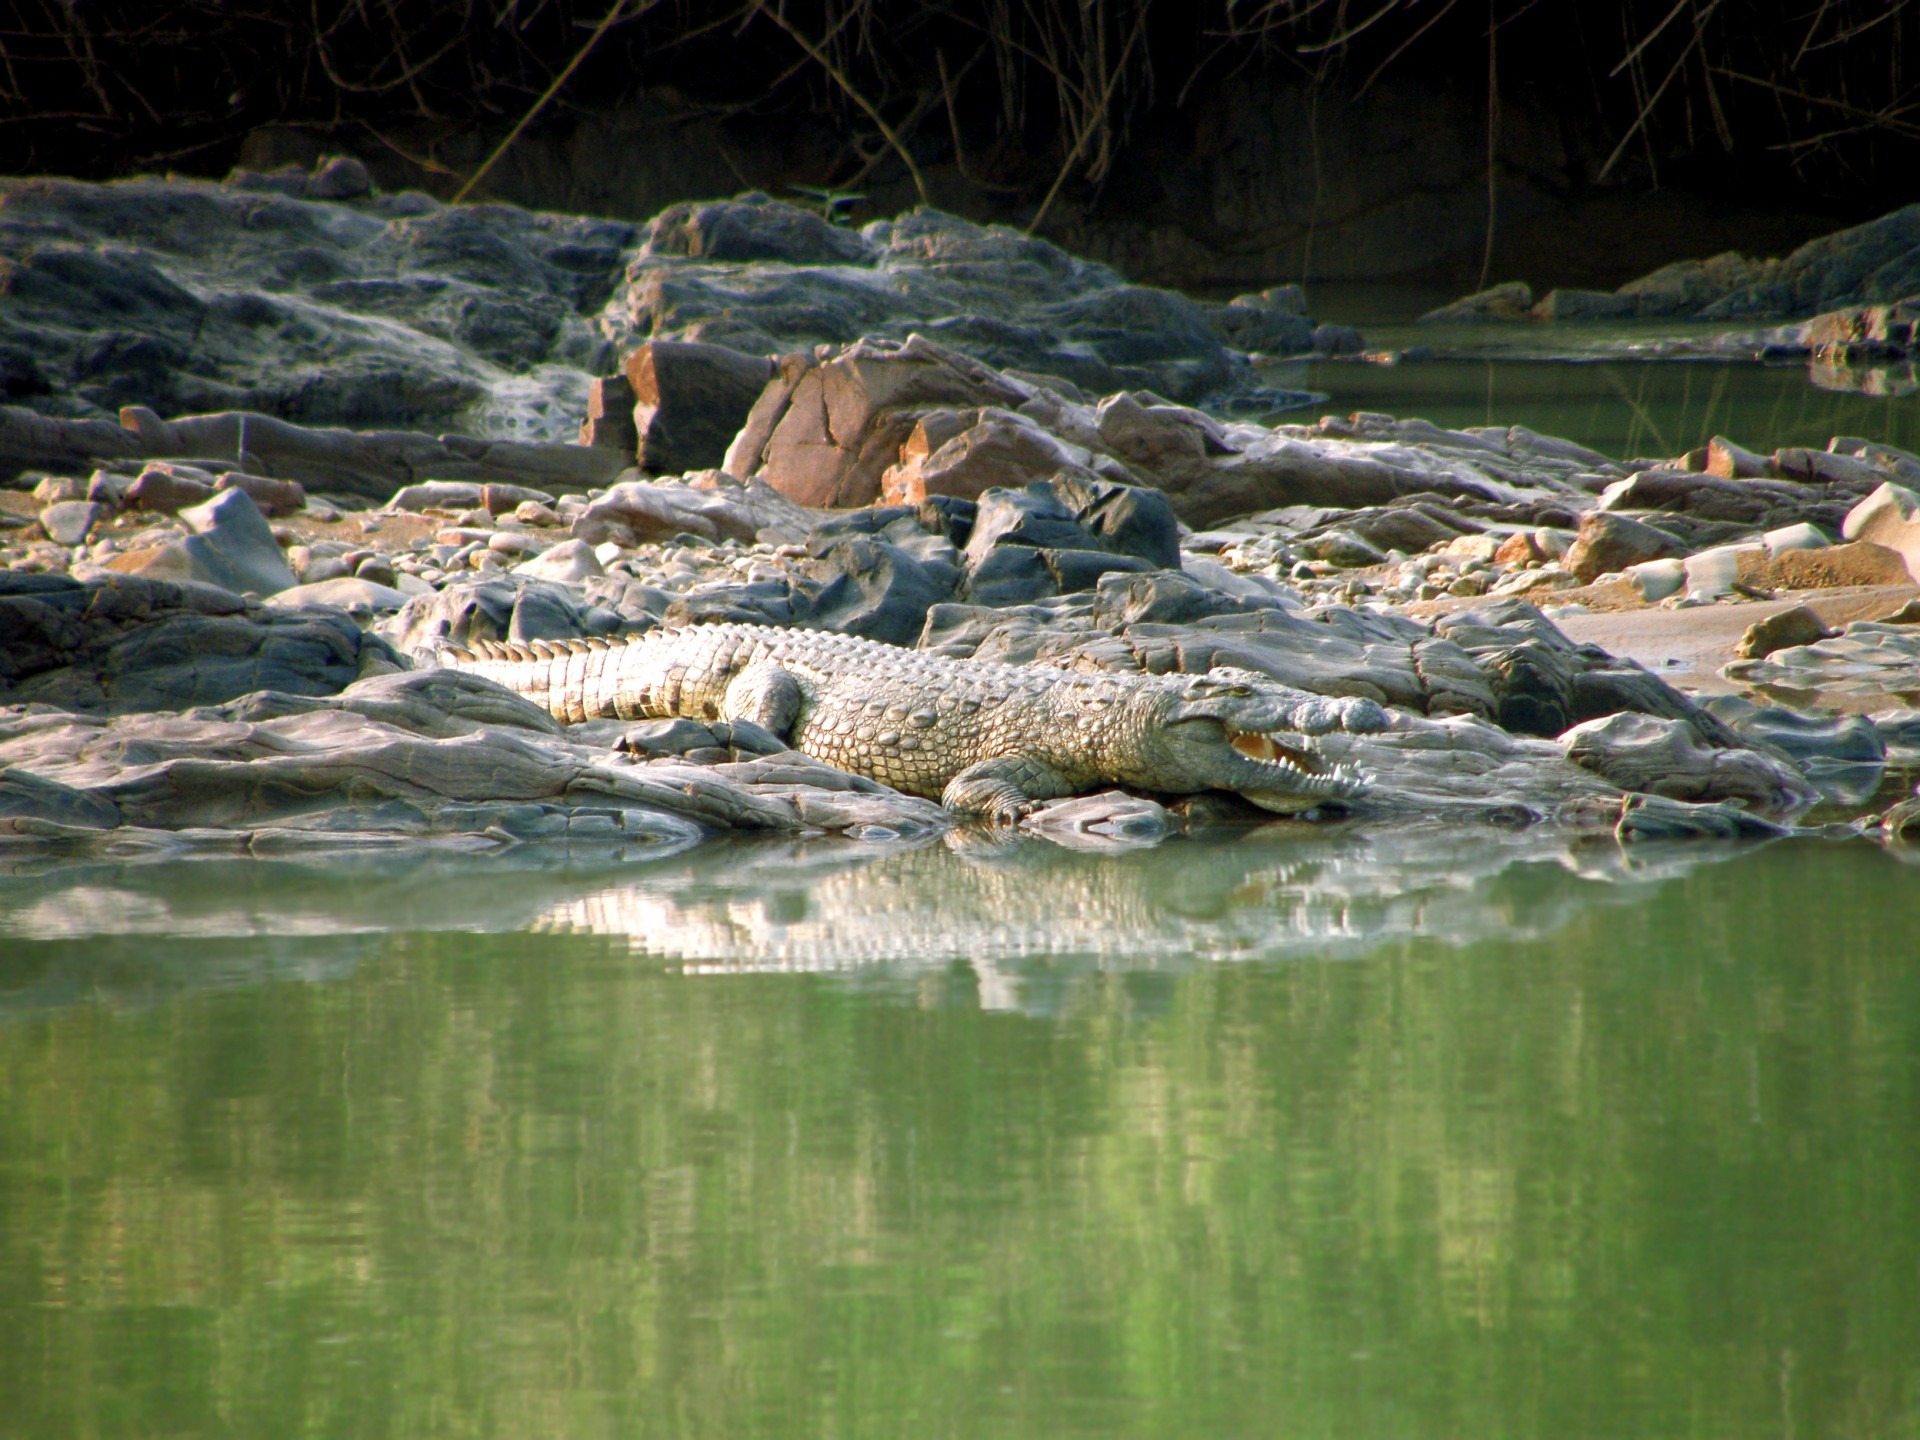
[
  {"x": 274, "y": 497},
  {"x": 166, "y": 491},
  {"x": 824, "y": 432}
]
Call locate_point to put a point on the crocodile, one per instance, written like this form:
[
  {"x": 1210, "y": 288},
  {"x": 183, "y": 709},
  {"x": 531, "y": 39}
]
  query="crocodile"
[{"x": 987, "y": 740}]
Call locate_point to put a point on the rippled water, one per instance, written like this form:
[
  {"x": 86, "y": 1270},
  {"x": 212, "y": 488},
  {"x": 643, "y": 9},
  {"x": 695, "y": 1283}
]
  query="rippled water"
[{"x": 1320, "y": 1131}]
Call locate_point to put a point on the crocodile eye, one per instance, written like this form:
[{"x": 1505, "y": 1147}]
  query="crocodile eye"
[{"x": 1240, "y": 692}]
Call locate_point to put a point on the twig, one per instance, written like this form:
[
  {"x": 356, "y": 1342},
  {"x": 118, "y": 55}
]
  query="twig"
[
  {"x": 839, "y": 78},
  {"x": 1099, "y": 113},
  {"x": 953, "y": 123},
  {"x": 572, "y": 65},
  {"x": 1646, "y": 110}
]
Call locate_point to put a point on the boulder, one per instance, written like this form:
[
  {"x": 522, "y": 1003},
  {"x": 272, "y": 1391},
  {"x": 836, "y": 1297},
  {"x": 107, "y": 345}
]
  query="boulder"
[
  {"x": 56, "y": 489},
  {"x": 751, "y": 227},
  {"x": 1001, "y": 449},
  {"x": 1665, "y": 757},
  {"x": 1609, "y": 542},
  {"x": 610, "y": 420},
  {"x": 1511, "y": 301},
  {"x": 1798, "y": 625},
  {"x": 689, "y": 400},
  {"x": 825, "y": 433},
  {"x": 1273, "y": 322},
  {"x": 1889, "y": 517},
  {"x": 1729, "y": 461},
  {"x": 232, "y": 546},
  {"x": 267, "y": 295},
  {"x": 862, "y": 585},
  {"x": 1003, "y": 298},
  {"x": 571, "y": 562},
  {"x": 126, "y": 643},
  {"x": 1585, "y": 305},
  {"x": 1688, "y": 287},
  {"x": 638, "y": 511},
  {"x": 168, "y": 489},
  {"x": 1541, "y": 683},
  {"x": 353, "y": 593},
  {"x": 274, "y": 497},
  {"x": 1811, "y": 740},
  {"x": 71, "y": 521}
]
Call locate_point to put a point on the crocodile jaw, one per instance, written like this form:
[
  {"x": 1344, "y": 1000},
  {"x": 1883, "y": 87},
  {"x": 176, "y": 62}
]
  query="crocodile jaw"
[
  {"x": 1287, "y": 775},
  {"x": 1268, "y": 764}
]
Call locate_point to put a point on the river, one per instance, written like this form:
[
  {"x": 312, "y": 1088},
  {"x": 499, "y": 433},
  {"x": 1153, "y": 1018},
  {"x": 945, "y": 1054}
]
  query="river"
[
  {"x": 1314, "y": 1131},
  {"x": 1296, "y": 1134}
]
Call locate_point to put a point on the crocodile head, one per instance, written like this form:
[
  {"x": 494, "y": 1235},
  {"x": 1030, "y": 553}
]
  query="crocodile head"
[{"x": 1237, "y": 730}]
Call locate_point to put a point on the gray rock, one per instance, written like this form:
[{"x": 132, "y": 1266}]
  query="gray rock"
[
  {"x": 751, "y": 227},
  {"x": 1655, "y": 756},
  {"x": 986, "y": 291},
  {"x": 1511, "y": 301},
  {"x": 1010, "y": 575},
  {"x": 1580, "y": 305},
  {"x": 1273, "y": 322},
  {"x": 274, "y": 497},
  {"x": 859, "y": 585},
  {"x": 71, "y": 521},
  {"x": 56, "y": 489},
  {"x": 1543, "y": 684},
  {"x": 377, "y": 570},
  {"x": 167, "y": 489},
  {"x": 129, "y": 644},
  {"x": 1804, "y": 738},
  {"x": 232, "y": 545},
  {"x": 569, "y": 563},
  {"x": 303, "y": 309},
  {"x": 636, "y": 511}
]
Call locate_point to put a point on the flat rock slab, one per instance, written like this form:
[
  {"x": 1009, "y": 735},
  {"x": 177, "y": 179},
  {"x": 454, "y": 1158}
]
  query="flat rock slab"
[
  {"x": 1689, "y": 646},
  {"x": 434, "y": 755}
]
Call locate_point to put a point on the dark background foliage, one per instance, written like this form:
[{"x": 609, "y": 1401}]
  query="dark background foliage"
[{"x": 1814, "y": 93}]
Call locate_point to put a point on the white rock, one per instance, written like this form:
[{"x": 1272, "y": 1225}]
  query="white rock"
[
  {"x": 569, "y": 563},
  {"x": 348, "y": 592},
  {"x": 1890, "y": 516},
  {"x": 1711, "y": 574},
  {"x": 1794, "y": 537},
  {"x": 1657, "y": 579}
]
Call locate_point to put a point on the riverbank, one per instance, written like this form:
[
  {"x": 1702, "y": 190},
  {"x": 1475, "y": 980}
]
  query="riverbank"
[{"x": 212, "y": 622}]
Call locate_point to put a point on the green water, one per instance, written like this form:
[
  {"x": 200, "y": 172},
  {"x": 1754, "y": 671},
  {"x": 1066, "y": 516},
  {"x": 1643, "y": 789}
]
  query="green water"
[
  {"x": 1622, "y": 408},
  {"x": 1592, "y": 382},
  {"x": 1319, "y": 1133}
]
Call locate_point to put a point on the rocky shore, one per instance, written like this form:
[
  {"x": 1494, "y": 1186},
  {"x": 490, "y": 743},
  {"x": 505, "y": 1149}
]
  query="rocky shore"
[{"x": 926, "y": 432}]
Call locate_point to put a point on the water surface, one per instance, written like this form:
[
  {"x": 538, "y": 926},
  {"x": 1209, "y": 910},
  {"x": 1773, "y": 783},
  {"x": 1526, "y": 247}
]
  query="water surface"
[{"x": 1320, "y": 1132}]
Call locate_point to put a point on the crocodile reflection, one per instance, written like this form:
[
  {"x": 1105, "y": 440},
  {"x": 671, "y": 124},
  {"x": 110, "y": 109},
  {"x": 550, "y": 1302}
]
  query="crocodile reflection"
[
  {"x": 995, "y": 905},
  {"x": 1002, "y": 911}
]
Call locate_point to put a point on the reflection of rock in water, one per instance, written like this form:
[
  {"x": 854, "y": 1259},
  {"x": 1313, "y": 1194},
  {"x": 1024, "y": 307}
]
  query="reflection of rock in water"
[
  {"x": 1027, "y": 906},
  {"x": 1028, "y": 917}
]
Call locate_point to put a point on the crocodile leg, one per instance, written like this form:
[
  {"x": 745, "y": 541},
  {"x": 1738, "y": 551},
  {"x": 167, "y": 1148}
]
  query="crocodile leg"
[
  {"x": 1004, "y": 788},
  {"x": 768, "y": 694}
]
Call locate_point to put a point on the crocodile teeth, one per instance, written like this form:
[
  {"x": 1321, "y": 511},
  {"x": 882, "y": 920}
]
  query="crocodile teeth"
[{"x": 1257, "y": 745}]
